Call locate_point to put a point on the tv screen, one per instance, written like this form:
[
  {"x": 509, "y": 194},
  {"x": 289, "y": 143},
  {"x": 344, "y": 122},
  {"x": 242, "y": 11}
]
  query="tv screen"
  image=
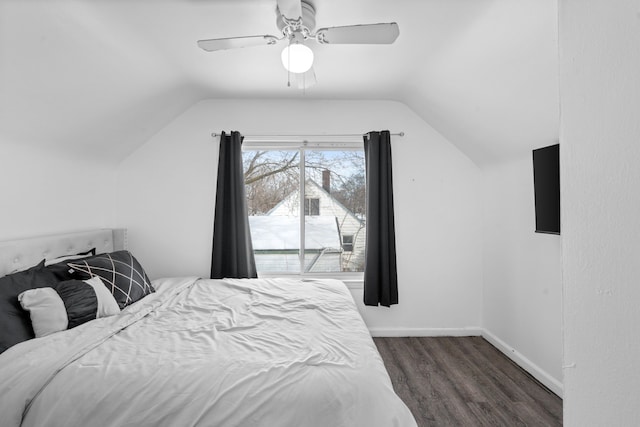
[{"x": 546, "y": 183}]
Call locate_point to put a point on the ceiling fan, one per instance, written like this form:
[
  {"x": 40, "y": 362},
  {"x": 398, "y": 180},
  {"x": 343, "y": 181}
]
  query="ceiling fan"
[{"x": 296, "y": 20}]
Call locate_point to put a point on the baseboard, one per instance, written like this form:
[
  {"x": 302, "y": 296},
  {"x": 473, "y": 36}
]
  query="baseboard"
[
  {"x": 425, "y": 332},
  {"x": 538, "y": 373}
]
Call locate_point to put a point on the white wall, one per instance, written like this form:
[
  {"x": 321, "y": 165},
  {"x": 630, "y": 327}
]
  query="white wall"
[
  {"x": 45, "y": 191},
  {"x": 522, "y": 292},
  {"x": 600, "y": 152},
  {"x": 167, "y": 192}
]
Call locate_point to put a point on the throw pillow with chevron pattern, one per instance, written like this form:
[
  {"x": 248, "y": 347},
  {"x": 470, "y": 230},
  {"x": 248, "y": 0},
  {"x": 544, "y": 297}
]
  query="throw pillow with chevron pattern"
[{"x": 121, "y": 273}]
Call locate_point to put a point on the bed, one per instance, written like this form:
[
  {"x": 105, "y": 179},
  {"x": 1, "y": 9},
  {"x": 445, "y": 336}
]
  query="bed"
[{"x": 198, "y": 352}]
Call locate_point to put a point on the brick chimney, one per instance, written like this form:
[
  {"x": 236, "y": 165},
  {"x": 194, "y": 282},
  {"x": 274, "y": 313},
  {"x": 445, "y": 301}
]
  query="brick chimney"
[{"x": 326, "y": 180}]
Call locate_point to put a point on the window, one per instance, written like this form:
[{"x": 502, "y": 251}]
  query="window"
[
  {"x": 347, "y": 242},
  {"x": 327, "y": 184},
  {"x": 311, "y": 206}
]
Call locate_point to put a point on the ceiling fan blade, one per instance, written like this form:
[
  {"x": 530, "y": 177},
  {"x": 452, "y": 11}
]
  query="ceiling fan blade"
[
  {"x": 290, "y": 9},
  {"x": 212, "y": 45},
  {"x": 385, "y": 33},
  {"x": 303, "y": 80}
]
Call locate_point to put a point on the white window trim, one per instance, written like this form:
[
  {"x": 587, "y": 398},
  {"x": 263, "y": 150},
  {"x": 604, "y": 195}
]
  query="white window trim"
[
  {"x": 296, "y": 145},
  {"x": 353, "y": 280}
]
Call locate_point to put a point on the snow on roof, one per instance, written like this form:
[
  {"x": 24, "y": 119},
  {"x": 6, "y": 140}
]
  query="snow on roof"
[{"x": 283, "y": 232}]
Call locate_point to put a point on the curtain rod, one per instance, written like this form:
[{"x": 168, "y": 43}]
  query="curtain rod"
[{"x": 346, "y": 135}]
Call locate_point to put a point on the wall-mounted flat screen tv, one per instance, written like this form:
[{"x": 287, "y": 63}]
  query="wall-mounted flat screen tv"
[{"x": 546, "y": 182}]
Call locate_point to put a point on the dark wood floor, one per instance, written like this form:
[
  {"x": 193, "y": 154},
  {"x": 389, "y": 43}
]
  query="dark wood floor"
[{"x": 465, "y": 381}]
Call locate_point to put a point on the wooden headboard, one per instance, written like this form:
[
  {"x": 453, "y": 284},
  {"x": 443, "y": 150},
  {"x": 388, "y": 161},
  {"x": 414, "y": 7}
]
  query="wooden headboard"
[{"x": 20, "y": 254}]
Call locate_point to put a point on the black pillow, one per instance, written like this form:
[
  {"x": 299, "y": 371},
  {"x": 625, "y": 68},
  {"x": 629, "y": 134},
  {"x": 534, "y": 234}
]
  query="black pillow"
[
  {"x": 79, "y": 300},
  {"x": 70, "y": 257},
  {"x": 62, "y": 271},
  {"x": 121, "y": 273},
  {"x": 15, "y": 322}
]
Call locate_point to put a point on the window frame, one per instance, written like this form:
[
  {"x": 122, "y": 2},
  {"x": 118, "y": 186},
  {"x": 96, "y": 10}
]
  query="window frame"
[
  {"x": 308, "y": 207},
  {"x": 345, "y": 243},
  {"x": 349, "y": 277}
]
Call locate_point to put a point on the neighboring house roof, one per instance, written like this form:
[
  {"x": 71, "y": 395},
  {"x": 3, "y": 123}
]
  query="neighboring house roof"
[
  {"x": 323, "y": 191},
  {"x": 275, "y": 233}
]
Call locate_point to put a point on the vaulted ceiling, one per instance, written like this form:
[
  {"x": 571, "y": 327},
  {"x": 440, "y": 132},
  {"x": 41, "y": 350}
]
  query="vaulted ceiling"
[{"x": 102, "y": 76}]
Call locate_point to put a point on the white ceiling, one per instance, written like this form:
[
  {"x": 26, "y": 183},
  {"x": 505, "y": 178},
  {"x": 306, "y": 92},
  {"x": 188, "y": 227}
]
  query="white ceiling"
[{"x": 102, "y": 76}]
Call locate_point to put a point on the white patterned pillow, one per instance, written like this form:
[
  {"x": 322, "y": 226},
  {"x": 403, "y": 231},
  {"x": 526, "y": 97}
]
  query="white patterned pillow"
[{"x": 121, "y": 273}]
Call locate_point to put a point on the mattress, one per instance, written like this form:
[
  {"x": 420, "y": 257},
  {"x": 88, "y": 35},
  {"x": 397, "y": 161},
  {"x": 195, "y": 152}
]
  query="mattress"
[{"x": 231, "y": 352}]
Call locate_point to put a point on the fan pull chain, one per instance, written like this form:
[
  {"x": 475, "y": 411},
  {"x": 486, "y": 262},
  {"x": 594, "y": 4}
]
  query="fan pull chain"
[{"x": 289, "y": 65}]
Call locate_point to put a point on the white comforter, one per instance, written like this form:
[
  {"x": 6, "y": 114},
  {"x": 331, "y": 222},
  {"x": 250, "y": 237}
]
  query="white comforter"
[{"x": 261, "y": 352}]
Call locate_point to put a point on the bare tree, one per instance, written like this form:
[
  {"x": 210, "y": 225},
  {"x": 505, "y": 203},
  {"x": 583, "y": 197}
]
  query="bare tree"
[
  {"x": 352, "y": 194},
  {"x": 270, "y": 176},
  {"x": 260, "y": 165}
]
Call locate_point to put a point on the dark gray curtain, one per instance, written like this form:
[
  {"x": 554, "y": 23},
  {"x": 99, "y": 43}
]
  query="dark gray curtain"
[
  {"x": 232, "y": 249},
  {"x": 380, "y": 270}
]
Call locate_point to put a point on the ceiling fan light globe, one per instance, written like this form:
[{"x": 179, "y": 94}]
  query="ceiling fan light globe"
[{"x": 297, "y": 58}]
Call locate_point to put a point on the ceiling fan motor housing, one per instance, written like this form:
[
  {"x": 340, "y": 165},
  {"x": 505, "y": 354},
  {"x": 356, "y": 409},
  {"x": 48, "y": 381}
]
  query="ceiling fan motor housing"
[{"x": 308, "y": 20}]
